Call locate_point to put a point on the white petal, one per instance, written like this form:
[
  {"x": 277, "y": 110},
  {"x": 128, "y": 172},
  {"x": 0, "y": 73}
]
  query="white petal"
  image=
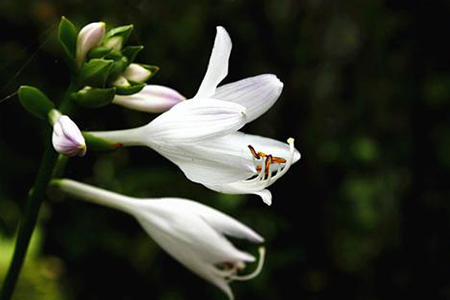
[
  {"x": 257, "y": 94},
  {"x": 218, "y": 64},
  {"x": 176, "y": 217},
  {"x": 266, "y": 196},
  {"x": 152, "y": 98},
  {"x": 193, "y": 121},
  {"x": 206, "y": 165},
  {"x": 218, "y": 220}
]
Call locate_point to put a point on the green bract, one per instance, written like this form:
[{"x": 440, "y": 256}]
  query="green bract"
[
  {"x": 99, "y": 52},
  {"x": 99, "y": 144},
  {"x": 131, "y": 52},
  {"x": 94, "y": 97},
  {"x": 95, "y": 72},
  {"x": 67, "y": 36},
  {"x": 116, "y": 37},
  {"x": 35, "y": 101},
  {"x": 117, "y": 68},
  {"x": 129, "y": 90}
]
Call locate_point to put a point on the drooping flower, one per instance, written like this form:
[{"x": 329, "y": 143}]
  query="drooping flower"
[
  {"x": 152, "y": 98},
  {"x": 90, "y": 36},
  {"x": 67, "y": 138},
  {"x": 234, "y": 162},
  {"x": 192, "y": 233}
]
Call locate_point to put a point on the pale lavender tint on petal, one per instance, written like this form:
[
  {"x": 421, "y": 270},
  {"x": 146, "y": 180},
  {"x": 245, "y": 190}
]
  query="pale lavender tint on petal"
[
  {"x": 257, "y": 94},
  {"x": 152, "y": 98},
  {"x": 67, "y": 138}
]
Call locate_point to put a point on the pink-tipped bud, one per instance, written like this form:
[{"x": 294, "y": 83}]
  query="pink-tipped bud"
[
  {"x": 90, "y": 36},
  {"x": 67, "y": 138},
  {"x": 152, "y": 98}
]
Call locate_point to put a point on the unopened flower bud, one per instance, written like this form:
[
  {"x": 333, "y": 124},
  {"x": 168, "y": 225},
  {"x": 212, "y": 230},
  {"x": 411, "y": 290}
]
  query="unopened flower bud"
[
  {"x": 152, "y": 98},
  {"x": 67, "y": 138},
  {"x": 121, "y": 82},
  {"x": 114, "y": 43},
  {"x": 136, "y": 73},
  {"x": 90, "y": 36}
]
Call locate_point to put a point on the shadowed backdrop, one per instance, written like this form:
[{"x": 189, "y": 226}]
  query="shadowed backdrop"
[{"x": 363, "y": 215}]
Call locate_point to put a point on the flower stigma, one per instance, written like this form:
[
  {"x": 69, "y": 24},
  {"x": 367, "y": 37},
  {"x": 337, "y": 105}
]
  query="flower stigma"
[{"x": 229, "y": 270}]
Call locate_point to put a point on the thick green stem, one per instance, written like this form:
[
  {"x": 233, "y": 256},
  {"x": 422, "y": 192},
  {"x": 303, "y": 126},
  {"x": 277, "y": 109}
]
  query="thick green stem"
[
  {"x": 33, "y": 204},
  {"x": 28, "y": 223}
]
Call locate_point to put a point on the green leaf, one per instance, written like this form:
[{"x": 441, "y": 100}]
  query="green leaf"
[
  {"x": 67, "y": 36},
  {"x": 131, "y": 52},
  {"x": 35, "y": 102},
  {"x": 95, "y": 72},
  {"x": 98, "y": 144},
  {"x": 94, "y": 97},
  {"x": 129, "y": 90}
]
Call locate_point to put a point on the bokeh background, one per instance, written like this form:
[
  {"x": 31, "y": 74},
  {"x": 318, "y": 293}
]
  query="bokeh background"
[{"x": 363, "y": 215}]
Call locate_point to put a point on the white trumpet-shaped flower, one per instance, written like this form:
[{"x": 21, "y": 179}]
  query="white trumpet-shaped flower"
[
  {"x": 228, "y": 162},
  {"x": 67, "y": 138},
  {"x": 192, "y": 233},
  {"x": 152, "y": 98}
]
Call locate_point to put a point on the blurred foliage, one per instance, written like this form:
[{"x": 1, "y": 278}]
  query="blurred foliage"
[{"x": 363, "y": 215}]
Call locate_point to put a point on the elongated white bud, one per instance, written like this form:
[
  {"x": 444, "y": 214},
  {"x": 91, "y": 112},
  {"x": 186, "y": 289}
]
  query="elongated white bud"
[
  {"x": 67, "y": 138},
  {"x": 152, "y": 98},
  {"x": 90, "y": 36}
]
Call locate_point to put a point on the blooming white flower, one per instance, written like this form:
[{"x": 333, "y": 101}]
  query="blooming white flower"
[
  {"x": 90, "y": 36},
  {"x": 229, "y": 162},
  {"x": 152, "y": 98},
  {"x": 67, "y": 138},
  {"x": 192, "y": 233}
]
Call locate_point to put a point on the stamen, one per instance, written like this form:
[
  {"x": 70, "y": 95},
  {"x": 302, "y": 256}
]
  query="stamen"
[
  {"x": 278, "y": 160},
  {"x": 270, "y": 159},
  {"x": 262, "y": 253},
  {"x": 268, "y": 162},
  {"x": 253, "y": 151}
]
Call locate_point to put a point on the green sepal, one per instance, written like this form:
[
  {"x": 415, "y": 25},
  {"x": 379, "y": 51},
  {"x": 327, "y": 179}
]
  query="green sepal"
[
  {"x": 114, "y": 55},
  {"x": 123, "y": 32},
  {"x": 67, "y": 37},
  {"x": 95, "y": 72},
  {"x": 94, "y": 97},
  {"x": 131, "y": 52},
  {"x": 117, "y": 68},
  {"x": 98, "y": 144},
  {"x": 35, "y": 101},
  {"x": 153, "y": 70},
  {"x": 129, "y": 90},
  {"x": 98, "y": 52}
]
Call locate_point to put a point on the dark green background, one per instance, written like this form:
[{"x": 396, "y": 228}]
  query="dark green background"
[{"x": 363, "y": 215}]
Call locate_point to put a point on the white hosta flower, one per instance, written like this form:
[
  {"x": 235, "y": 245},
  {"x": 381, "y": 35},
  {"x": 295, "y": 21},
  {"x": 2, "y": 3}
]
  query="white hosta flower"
[
  {"x": 234, "y": 162},
  {"x": 67, "y": 138},
  {"x": 90, "y": 36},
  {"x": 192, "y": 233},
  {"x": 152, "y": 98},
  {"x": 136, "y": 73}
]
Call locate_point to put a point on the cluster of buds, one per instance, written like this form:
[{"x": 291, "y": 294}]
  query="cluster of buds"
[{"x": 200, "y": 135}]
